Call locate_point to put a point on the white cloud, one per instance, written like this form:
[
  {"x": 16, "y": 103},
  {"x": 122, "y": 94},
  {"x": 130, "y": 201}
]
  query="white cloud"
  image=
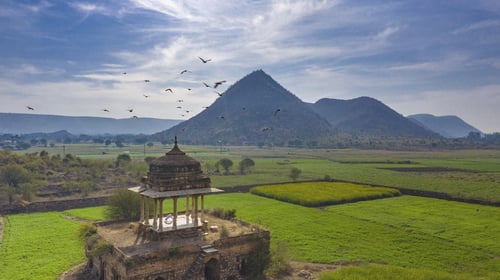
[{"x": 477, "y": 25}]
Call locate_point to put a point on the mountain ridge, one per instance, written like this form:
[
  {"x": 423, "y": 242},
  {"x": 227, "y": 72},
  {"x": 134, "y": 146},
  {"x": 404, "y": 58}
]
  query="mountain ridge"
[
  {"x": 447, "y": 126},
  {"x": 19, "y": 123},
  {"x": 255, "y": 109},
  {"x": 368, "y": 116}
]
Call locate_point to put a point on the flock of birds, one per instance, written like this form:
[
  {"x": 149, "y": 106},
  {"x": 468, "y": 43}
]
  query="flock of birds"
[
  {"x": 184, "y": 111},
  {"x": 169, "y": 90}
]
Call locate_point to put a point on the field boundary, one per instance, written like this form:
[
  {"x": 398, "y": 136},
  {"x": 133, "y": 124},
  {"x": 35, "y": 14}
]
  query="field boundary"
[
  {"x": 404, "y": 191},
  {"x": 53, "y": 205},
  {"x": 61, "y": 205}
]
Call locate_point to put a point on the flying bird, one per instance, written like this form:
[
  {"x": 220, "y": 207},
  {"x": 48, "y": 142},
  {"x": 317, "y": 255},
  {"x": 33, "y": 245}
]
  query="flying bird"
[
  {"x": 147, "y": 81},
  {"x": 185, "y": 71},
  {"x": 219, "y": 93},
  {"x": 207, "y": 85},
  {"x": 222, "y": 117},
  {"x": 179, "y": 107},
  {"x": 135, "y": 117},
  {"x": 264, "y": 129},
  {"x": 169, "y": 89},
  {"x": 124, "y": 73},
  {"x": 276, "y": 112},
  {"x": 145, "y": 95},
  {"x": 105, "y": 110},
  {"x": 204, "y": 60},
  {"x": 130, "y": 110},
  {"x": 30, "y": 108},
  {"x": 180, "y": 100},
  {"x": 219, "y": 83}
]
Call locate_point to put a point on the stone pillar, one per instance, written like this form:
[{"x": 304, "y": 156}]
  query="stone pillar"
[
  {"x": 146, "y": 222},
  {"x": 141, "y": 219},
  {"x": 155, "y": 215},
  {"x": 175, "y": 212},
  {"x": 202, "y": 208},
  {"x": 195, "y": 206},
  {"x": 187, "y": 208},
  {"x": 161, "y": 214}
]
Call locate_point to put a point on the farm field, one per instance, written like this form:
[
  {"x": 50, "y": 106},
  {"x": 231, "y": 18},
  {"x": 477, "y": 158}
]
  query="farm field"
[
  {"x": 429, "y": 238},
  {"x": 39, "y": 246},
  {"x": 314, "y": 194},
  {"x": 471, "y": 174}
]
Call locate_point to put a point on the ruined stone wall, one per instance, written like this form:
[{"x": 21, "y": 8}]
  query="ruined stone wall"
[
  {"x": 54, "y": 205},
  {"x": 236, "y": 251},
  {"x": 231, "y": 254}
]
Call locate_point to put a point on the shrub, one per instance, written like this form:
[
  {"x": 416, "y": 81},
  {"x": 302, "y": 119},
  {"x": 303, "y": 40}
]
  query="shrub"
[
  {"x": 86, "y": 230},
  {"x": 227, "y": 214},
  {"x": 280, "y": 261},
  {"x": 295, "y": 173},
  {"x": 124, "y": 204}
]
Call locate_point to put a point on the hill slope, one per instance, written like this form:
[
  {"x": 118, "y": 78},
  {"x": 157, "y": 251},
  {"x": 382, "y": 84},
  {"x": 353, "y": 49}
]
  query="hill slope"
[
  {"x": 32, "y": 123},
  {"x": 447, "y": 126},
  {"x": 254, "y": 110},
  {"x": 368, "y": 116}
]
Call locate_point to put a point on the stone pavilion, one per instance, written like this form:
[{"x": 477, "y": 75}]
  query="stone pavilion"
[{"x": 185, "y": 243}]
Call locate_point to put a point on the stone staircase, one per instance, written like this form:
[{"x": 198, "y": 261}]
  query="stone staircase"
[{"x": 198, "y": 262}]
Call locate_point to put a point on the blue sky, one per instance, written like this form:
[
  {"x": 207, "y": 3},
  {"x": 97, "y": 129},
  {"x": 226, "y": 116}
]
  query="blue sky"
[{"x": 66, "y": 57}]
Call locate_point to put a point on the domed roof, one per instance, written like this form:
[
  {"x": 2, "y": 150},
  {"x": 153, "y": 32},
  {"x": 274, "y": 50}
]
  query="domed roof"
[
  {"x": 174, "y": 157},
  {"x": 176, "y": 171}
]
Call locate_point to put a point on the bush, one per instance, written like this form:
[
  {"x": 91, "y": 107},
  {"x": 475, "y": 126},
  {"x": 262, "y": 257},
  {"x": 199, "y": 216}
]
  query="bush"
[
  {"x": 295, "y": 173},
  {"x": 226, "y": 214},
  {"x": 86, "y": 230},
  {"x": 124, "y": 204},
  {"x": 280, "y": 261}
]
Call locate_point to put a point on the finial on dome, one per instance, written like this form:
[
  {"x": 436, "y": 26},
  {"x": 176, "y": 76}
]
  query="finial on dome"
[{"x": 175, "y": 150}]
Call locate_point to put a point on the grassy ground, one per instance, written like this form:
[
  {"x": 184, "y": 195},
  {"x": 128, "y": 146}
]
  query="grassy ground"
[
  {"x": 39, "y": 246},
  {"x": 429, "y": 238}
]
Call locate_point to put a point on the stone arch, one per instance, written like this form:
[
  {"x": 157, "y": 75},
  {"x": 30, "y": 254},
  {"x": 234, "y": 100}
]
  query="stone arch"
[{"x": 212, "y": 269}]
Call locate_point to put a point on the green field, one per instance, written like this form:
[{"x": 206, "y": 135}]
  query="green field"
[
  {"x": 424, "y": 236},
  {"x": 473, "y": 174},
  {"x": 39, "y": 246},
  {"x": 314, "y": 194},
  {"x": 400, "y": 236}
]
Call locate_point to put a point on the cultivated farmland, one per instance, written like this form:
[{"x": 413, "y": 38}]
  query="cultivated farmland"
[{"x": 405, "y": 235}]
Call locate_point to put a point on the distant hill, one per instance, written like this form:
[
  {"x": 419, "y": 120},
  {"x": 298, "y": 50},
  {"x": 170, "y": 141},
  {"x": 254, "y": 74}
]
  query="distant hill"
[
  {"x": 447, "y": 126},
  {"x": 368, "y": 116},
  {"x": 254, "y": 110},
  {"x": 32, "y": 123}
]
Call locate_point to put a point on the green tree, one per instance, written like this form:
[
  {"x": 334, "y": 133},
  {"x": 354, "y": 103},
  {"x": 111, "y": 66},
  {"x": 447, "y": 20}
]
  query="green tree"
[
  {"x": 12, "y": 177},
  {"x": 295, "y": 173},
  {"x": 121, "y": 159},
  {"x": 245, "y": 164},
  {"x": 225, "y": 163},
  {"x": 123, "y": 204}
]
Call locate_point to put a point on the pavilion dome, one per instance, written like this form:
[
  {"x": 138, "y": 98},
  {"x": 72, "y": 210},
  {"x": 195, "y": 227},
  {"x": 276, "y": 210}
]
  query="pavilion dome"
[{"x": 176, "y": 171}]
